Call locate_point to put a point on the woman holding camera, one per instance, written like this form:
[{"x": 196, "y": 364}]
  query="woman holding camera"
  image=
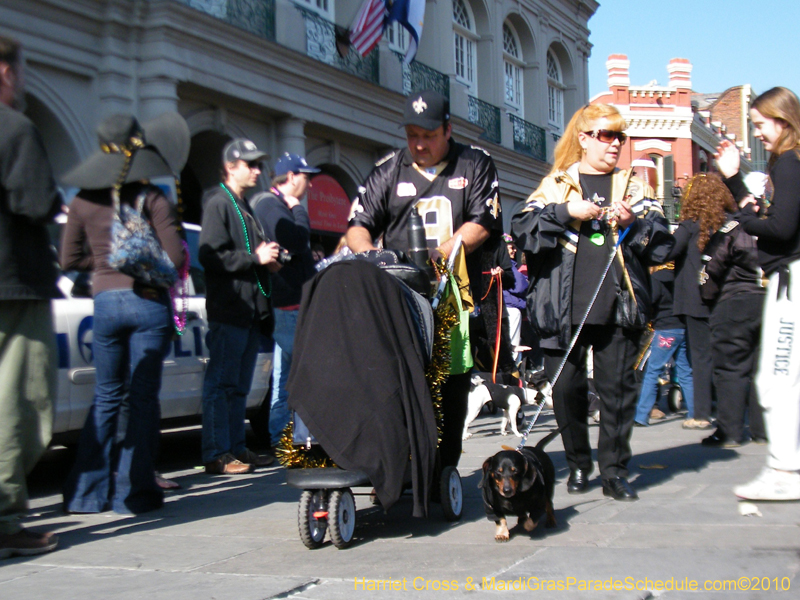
[{"x": 570, "y": 228}]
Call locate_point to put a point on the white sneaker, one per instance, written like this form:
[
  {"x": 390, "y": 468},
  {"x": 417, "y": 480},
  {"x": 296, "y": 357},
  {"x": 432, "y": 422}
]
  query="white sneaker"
[{"x": 771, "y": 484}]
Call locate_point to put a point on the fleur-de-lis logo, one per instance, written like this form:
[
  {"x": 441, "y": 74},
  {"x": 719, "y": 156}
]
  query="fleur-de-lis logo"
[{"x": 419, "y": 105}]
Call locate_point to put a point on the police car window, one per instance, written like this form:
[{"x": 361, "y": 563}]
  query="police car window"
[{"x": 195, "y": 268}]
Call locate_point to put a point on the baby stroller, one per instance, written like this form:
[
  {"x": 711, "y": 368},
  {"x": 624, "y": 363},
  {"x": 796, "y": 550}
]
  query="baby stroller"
[{"x": 358, "y": 385}]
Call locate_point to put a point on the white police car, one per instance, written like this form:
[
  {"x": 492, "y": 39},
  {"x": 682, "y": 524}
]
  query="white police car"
[{"x": 184, "y": 366}]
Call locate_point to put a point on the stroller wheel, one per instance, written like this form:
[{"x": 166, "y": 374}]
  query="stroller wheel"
[
  {"x": 312, "y": 529},
  {"x": 342, "y": 517},
  {"x": 451, "y": 494},
  {"x": 674, "y": 398}
]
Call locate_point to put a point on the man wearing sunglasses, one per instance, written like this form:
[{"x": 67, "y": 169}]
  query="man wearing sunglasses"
[
  {"x": 570, "y": 228},
  {"x": 237, "y": 263}
]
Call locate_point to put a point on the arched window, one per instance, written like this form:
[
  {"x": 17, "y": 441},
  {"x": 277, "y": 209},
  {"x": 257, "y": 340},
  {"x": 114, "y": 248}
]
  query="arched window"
[
  {"x": 555, "y": 92},
  {"x": 512, "y": 64},
  {"x": 465, "y": 45}
]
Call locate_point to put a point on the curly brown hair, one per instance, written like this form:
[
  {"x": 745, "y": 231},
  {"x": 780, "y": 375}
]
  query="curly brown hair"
[{"x": 705, "y": 200}]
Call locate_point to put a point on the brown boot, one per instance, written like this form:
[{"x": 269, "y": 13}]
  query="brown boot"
[
  {"x": 249, "y": 457},
  {"x": 26, "y": 543},
  {"x": 227, "y": 464}
]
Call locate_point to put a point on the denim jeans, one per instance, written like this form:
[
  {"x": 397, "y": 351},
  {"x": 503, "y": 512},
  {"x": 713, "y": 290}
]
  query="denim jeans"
[
  {"x": 131, "y": 336},
  {"x": 667, "y": 343},
  {"x": 232, "y": 353},
  {"x": 285, "y": 324}
]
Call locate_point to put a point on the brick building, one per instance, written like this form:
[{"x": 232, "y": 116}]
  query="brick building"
[{"x": 676, "y": 128}]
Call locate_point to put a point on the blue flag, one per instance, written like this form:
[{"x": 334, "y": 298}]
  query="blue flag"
[{"x": 410, "y": 14}]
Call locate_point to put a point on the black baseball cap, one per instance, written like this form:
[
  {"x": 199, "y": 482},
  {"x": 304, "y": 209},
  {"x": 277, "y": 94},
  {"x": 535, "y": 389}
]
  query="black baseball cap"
[
  {"x": 241, "y": 149},
  {"x": 427, "y": 109}
]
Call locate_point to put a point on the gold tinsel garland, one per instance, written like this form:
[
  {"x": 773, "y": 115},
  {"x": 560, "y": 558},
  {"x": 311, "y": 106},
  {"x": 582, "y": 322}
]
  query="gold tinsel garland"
[{"x": 445, "y": 318}]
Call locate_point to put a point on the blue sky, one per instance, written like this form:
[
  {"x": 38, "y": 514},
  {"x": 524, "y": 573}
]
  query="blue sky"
[{"x": 728, "y": 42}]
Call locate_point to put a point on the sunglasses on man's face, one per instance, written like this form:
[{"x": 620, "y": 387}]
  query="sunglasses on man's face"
[
  {"x": 607, "y": 136},
  {"x": 254, "y": 164}
]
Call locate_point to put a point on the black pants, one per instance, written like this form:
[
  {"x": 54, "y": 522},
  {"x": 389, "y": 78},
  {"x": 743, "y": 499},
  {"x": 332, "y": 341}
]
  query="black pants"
[
  {"x": 454, "y": 412},
  {"x": 698, "y": 334},
  {"x": 735, "y": 333},
  {"x": 614, "y": 351}
]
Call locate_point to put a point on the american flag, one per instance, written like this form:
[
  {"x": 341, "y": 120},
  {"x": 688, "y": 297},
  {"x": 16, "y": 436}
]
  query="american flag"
[{"x": 367, "y": 28}]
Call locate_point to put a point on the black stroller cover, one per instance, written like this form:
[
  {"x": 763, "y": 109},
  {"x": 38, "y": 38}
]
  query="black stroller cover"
[{"x": 358, "y": 379}]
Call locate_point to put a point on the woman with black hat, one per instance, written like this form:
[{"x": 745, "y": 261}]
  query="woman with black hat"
[{"x": 132, "y": 320}]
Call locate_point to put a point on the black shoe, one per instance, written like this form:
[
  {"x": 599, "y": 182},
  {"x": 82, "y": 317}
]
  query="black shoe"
[
  {"x": 719, "y": 440},
  {"x": 637, "y": 424},
  {"x": 578, "y": 481},
  {"x": 618, "y": 488}
]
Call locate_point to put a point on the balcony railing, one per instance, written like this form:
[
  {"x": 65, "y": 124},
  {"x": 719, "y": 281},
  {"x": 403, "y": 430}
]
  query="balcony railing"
[
  {"x": 321, "y": 44},
  {"x": 485, "y": 115},
  {"x": 529, "y": 138},
  {"x": 255, "y": 16},
  {"x": 418, "y": 77}
]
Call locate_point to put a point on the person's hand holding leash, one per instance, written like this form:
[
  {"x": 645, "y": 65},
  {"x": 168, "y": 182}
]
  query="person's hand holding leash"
[{"x": 583, "y": 210}]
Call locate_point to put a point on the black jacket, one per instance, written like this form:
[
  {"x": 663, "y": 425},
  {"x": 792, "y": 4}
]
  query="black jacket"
[
  {"x": 29, "y": 200},
  {"x": 233, "y": 296},
  {"x": 731, "y": 264},
  {"x": 549, "y": 237},
  {"x": 688, "y": 262},
  {"x": 292, "y": 230},
  {"x": 777, "y": 228},
  {"x": 662, "y": 284}
]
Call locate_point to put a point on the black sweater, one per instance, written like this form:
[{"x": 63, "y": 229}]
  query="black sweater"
[
  {"x": 232, "y": 293},
  {"x": 662, "y": 285},
  {"x": 292, "y": 230},
  {"x": 688, "y": 262},
  {"x": 779, "y": 232}
]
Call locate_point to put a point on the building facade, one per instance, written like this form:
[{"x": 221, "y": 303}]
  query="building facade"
[
  {"x": 677, "y": 129},
  {"x": 268, "y": 70}
]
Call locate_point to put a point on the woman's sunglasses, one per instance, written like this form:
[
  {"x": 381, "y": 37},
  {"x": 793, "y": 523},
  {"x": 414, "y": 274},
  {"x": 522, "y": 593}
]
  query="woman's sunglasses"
[{"x": 607, "y": 136}]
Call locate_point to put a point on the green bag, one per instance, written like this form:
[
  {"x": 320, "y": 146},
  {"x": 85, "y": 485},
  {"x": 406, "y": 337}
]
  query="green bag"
[{"x": 460, "y": 348}]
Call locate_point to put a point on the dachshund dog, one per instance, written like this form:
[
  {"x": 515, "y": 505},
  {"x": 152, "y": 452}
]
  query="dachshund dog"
[
  {"x": 521, "y": 483},
  {"x": 509, "y": 398}
]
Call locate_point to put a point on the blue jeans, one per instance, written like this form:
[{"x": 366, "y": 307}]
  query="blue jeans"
[
  {"x": 131, "y": 336},
  {"x": 285, "y": 324},
  {"x": 666, "y": 344},
  {"x": 232, "y": 353}
]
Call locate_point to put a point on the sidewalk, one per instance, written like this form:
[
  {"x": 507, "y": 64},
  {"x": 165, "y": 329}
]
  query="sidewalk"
[{"x": 235, "y": 538}]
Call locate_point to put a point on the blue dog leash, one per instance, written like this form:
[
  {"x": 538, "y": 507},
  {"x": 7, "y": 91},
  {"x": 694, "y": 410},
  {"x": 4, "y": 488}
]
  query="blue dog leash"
[{"x": 574, "y": 340}]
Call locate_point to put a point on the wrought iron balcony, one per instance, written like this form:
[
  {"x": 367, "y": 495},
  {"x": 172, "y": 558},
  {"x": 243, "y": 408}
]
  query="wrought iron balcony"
[
  {"x": 418, "y": 77},
  {"x": 321, "y": 44},
  {"x": 529, "y": 138},
  {"x": 485, "y": 115},
  {"x": 255, "y": 16}
]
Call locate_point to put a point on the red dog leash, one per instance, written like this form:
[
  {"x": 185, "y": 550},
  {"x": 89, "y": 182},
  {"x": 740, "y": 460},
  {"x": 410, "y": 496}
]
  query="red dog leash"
[{"x": 498, "y": 278}]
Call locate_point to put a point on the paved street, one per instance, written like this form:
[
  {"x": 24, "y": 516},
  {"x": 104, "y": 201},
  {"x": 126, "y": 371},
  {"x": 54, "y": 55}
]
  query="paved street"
[{"x": 235, "y": 538}]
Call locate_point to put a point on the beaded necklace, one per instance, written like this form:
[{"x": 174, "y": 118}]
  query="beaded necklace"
[
  {"x": 179, "y": 313},
  {"x": 247, "y": 240}
]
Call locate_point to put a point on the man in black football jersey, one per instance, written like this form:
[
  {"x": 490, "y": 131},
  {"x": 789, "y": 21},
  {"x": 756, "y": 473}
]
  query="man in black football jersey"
[{"x": 454, "y": 187}]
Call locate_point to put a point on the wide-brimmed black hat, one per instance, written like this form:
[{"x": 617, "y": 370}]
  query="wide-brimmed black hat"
[{"x": 159, "y": 147}]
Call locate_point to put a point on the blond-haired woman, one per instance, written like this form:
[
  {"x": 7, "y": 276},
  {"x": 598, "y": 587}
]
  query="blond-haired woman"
[
  {"x": 568, "y": 230},
  {"x": 775, "y": 115}
]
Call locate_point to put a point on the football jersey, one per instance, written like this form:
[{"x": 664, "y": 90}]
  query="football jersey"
[{"x": 462, "y": 189}]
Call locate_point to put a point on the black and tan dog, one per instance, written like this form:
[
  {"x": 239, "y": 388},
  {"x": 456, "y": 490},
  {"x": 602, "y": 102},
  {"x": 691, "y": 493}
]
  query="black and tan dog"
[{"x": 521, "y": 483}]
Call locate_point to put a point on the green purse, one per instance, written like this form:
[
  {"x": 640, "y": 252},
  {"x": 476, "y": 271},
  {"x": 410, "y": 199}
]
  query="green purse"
[{"x": 460, "y": 348}]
